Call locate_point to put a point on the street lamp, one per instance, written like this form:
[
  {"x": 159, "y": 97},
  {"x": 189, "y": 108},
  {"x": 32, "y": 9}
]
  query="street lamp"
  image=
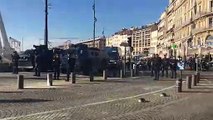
[
  {"x": 94, "y": 22},
  {"x": 46, "y": 25}
]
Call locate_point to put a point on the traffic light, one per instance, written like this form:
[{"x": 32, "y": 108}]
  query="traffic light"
[{"x": 129, "y": 41}]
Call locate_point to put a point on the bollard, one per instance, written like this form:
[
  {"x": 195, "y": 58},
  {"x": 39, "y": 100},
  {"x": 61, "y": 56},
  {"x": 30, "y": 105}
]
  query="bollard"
[
  {"x": 49, "y": 79},
  {"x": 198, "y": 77},
  {"x": 194, "y": 82},
  {"x": 104, "y": 74},
  {"x": 132, "y": 73},
  {"x": 179, "y": 85},
  {"x": 91, "y": 77},
  {"x": 121, "y": 74},
  {"x": 188, "y": 82},
  {"x": 73, "y": 77},
  {"x": 20, "y": 81}
]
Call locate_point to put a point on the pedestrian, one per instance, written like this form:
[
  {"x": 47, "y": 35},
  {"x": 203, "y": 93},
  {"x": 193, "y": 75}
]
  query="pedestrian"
[
  {"x": 37, "y": 64},
  {"x": 15, "y": 58},
  {"x": 173, "y": 67},
  {"x": 157, "y": 66},
  {"x": 152, "y": 65},
  {"x": 165, "y": 65},
  {"x": 70, "y": 64},
  {"x": 56, "y": 65}
]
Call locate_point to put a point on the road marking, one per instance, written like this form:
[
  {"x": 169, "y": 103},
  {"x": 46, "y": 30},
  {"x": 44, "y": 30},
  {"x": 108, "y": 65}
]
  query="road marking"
[{"x": 90, "y": 104}]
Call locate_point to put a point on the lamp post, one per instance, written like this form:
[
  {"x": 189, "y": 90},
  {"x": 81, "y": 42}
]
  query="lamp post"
[
  {"x": 46, "y": 25},
  {"x": 94, "y": 22}
]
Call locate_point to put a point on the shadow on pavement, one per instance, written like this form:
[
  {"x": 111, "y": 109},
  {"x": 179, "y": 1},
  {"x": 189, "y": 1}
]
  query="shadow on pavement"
[
  {"x": 113, "y": 81},
  {"x": 35, "y": 78},
  {"x": 40, "y": 89},
  {"x": 197, "y": 91},
  {"x": 11, "y": 92},
  {"x": 25, "y": 100},
  {"x": 202, "y": 88},
  {"x": 205, "y": 85}
]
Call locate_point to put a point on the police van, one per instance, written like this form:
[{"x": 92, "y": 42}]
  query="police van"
[{"x": 25, "y": 62}]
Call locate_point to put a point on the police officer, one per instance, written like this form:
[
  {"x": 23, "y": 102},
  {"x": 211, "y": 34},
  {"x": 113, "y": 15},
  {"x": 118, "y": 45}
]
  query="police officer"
[
  {"x": 0, "y": 59},
  {"x": 37, "y": 64},
  {"x": 173, "y": 67},
  {"x": 70, "y": 64},
  {"x": 15, "y": 58},
  {"x": 152, "y": 64},
  {"x": 165, "y": 66},
  {"x": 56, "y": 65},
  {"x": 157, "y": 65}
]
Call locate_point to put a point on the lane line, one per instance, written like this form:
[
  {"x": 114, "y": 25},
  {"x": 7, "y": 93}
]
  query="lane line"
[{"x": 91, "y": 104}]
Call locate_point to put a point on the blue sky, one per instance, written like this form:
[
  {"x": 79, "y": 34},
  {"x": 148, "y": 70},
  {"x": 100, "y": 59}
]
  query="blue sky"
[{"x": 74, "y": 18}]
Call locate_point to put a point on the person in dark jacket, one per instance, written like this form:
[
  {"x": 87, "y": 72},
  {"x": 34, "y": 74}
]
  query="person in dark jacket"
[
  {"x": 1, "y": 59},
  {"x": 15, "y": 58},
  {"x": 165, "y": 66},
  {"x": 152, "y": 64},
  {"x": 70, "y": 64},
  {"x": 157, "y": 66},
  {"x": 37, "y": 64},
  {"x": 56, "y": 65},
  {"x": 173, "y": 67}
]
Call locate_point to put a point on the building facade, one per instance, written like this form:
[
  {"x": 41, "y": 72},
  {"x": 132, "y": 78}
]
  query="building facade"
[
  {"x": 15, "y": 44},
  {"x": 99, "y": 42},
  {"x": 141, "y": 40},
  {"x": 154, "y": 42},
  {"x": 188, "y": 27},
  {"x": 118, "y": 38}
]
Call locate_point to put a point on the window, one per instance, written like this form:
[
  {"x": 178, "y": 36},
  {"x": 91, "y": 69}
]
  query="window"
[
  {"x": 195, "y": 8},
  {"x": 210, "y": 22},
  {"x": 211, "y": 5}
]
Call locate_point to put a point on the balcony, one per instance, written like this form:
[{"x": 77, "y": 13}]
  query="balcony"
[
  {"x": 187, "y": 22},
  {"x": 199, "y": 30},
  {"x": 201, "y": 14}
]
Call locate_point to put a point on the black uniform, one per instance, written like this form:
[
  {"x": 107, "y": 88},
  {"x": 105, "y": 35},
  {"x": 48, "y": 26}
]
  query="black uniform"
[
  {"x": 0, "y": 59},
  {"x": 56, "y": 66},
  {"x": 152, "y": 65},
  {"x": 173, "y": 67},
  {"x": 37, "y": 65},
  {"x": 165, "y": 66},
  {"x": 15, "y": 58},
  {"x": 157, "y": 65},
  {"x": 70, "y": 65}
]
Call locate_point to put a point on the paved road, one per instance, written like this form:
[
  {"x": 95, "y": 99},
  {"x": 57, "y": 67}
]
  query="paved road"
[{"x": 113, "y": 99}]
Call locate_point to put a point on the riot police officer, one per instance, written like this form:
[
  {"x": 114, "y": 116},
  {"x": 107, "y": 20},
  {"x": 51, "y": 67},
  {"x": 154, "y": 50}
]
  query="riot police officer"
[
  {"x": 152, "y": 64},
  {"x": 37, "y": 64},
  {"x": 70, "y": 64},
  {"x": 1, "y": 59},
  {"x": 165, "y": 66},
  {"x": 173, "y": 67},
  {"x": 56, "y": 65},
  {"x": 15, "y": 58},
  {"x": 157, "y": 65}
]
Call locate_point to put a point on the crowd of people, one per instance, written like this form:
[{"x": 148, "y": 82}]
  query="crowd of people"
[
  {"x": 159, "y": 66},
  {"x": 37, "y": 60},
  {"x": 164, "y": 67}
]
